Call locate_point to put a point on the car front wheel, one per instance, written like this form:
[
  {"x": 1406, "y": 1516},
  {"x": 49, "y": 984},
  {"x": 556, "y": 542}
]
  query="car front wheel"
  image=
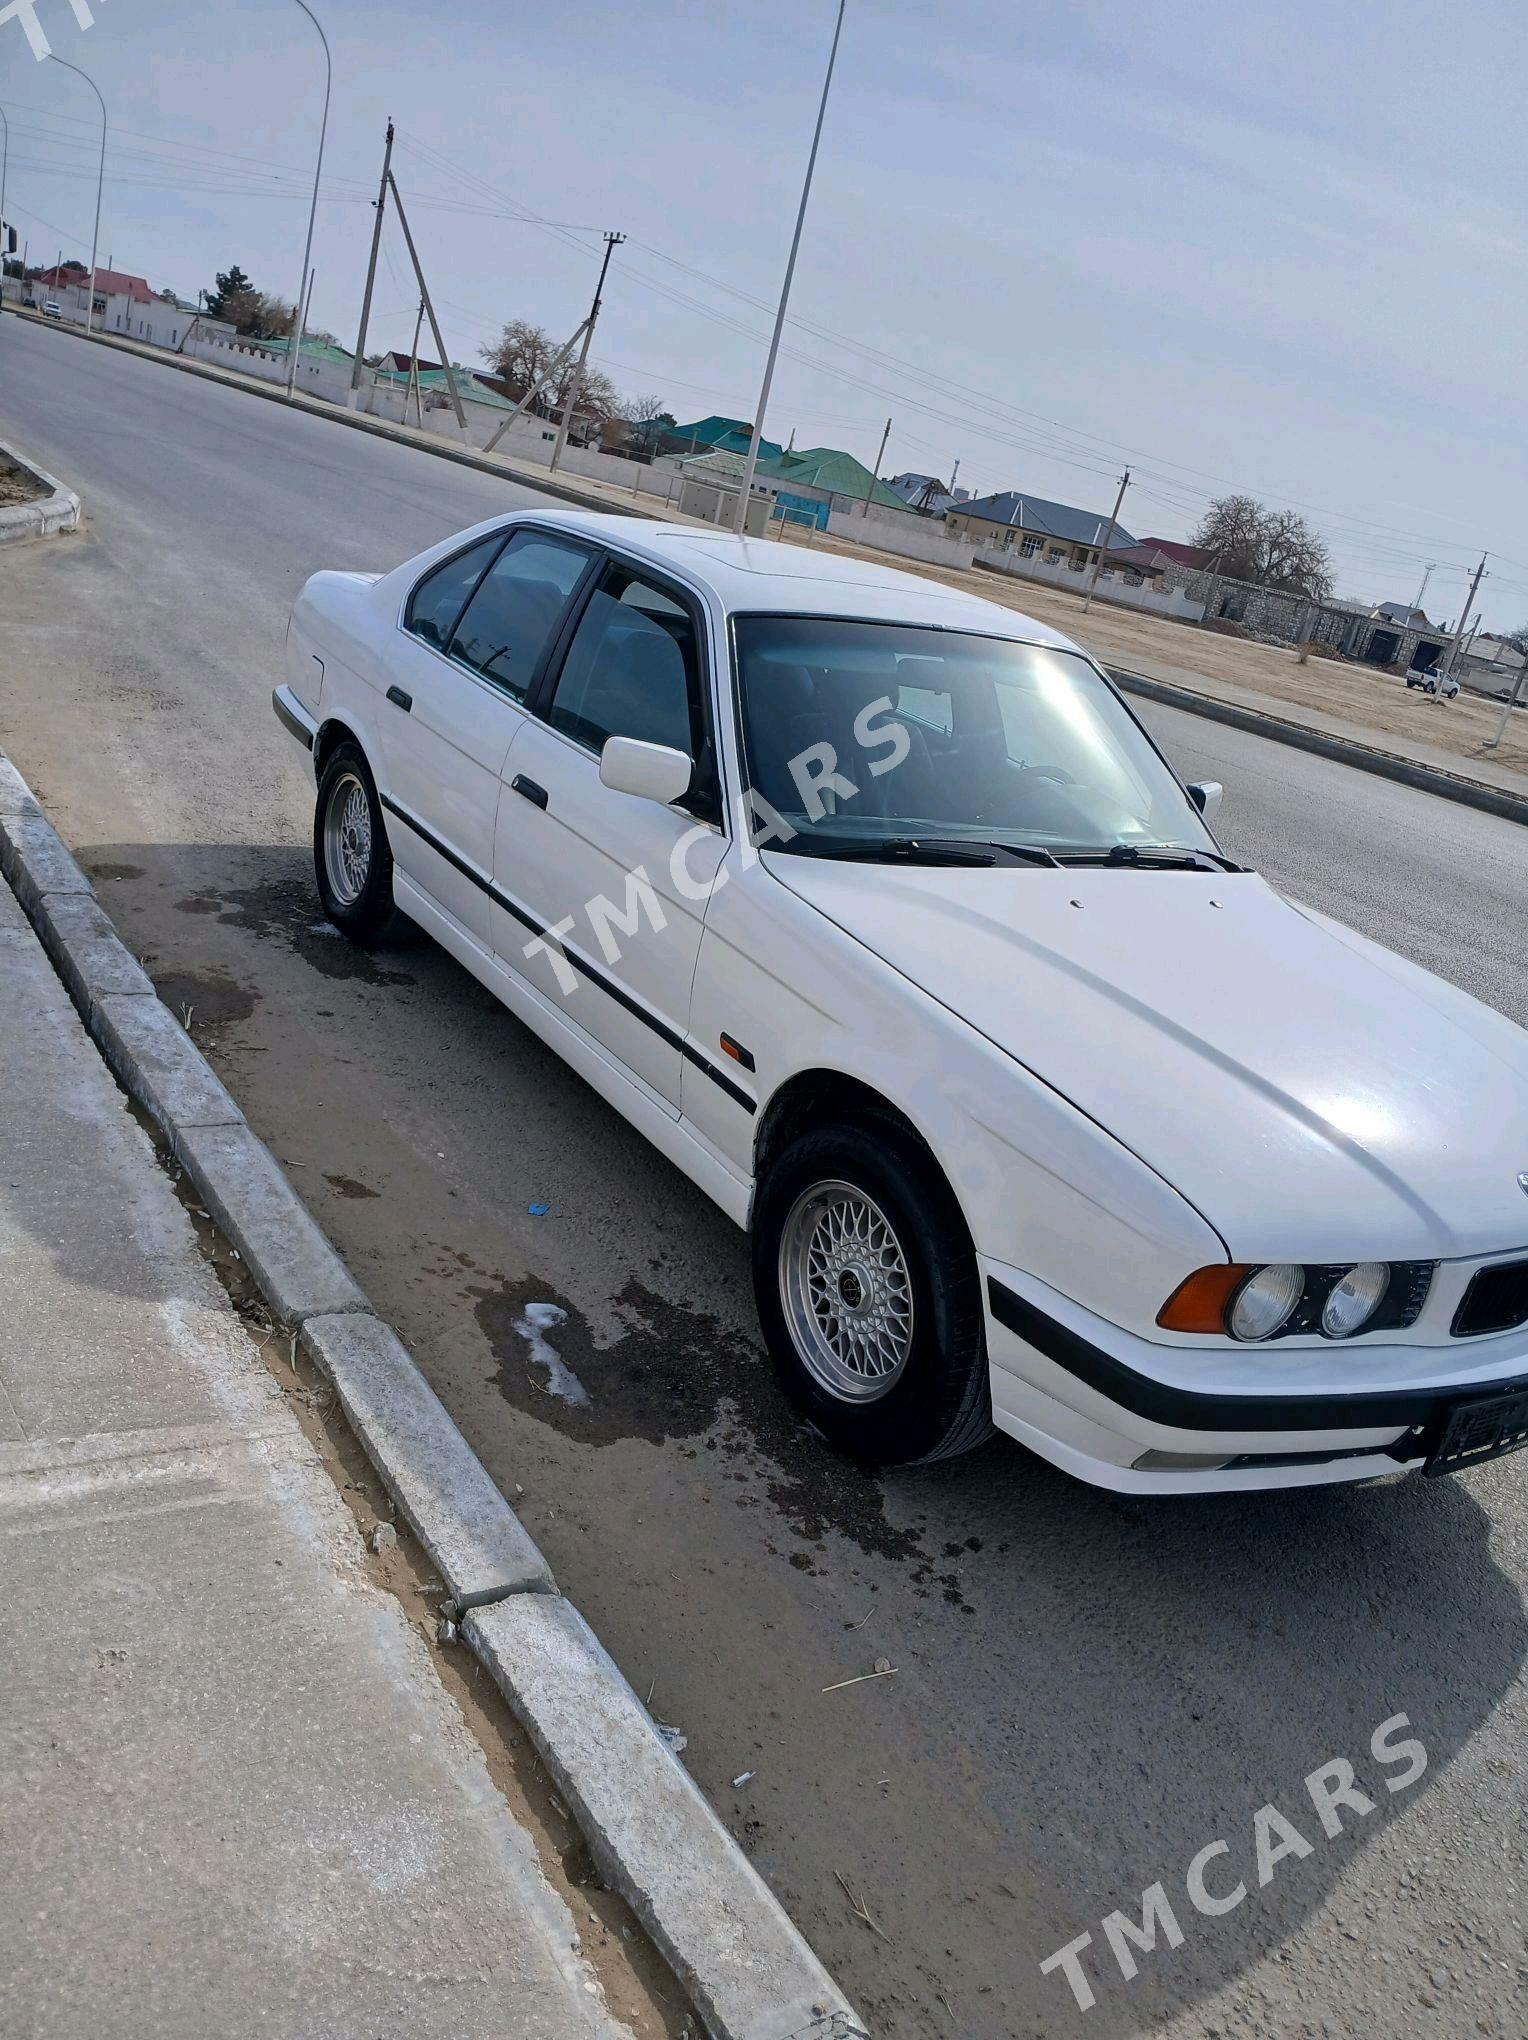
[
  {"x": 868, "y": 1294},
  {"x": 351, "y": 858}
]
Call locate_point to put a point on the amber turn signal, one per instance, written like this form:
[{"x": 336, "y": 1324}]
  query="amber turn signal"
[{"x": 1200, "y": 1304}]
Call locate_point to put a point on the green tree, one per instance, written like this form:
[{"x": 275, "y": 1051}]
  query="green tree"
[{"x": 231, "y": 283}]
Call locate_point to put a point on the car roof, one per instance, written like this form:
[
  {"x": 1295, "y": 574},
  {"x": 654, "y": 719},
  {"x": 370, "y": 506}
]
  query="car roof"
[{"x": 751, "y": 574}]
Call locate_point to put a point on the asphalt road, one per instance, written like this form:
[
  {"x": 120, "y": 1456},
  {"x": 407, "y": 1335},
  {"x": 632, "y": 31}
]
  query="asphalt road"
[{"x": 1089, "y": 1689}]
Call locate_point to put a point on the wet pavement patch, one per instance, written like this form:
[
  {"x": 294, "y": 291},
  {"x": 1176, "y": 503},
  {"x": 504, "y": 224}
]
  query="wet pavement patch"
[
  {"x": 347, "y": 1186},
  {"x": 286, "y": 909},
  {"x": 211, "y": 996},
  {"x": 111, "y": 874},
  {"x": 677, "y": 1375}
]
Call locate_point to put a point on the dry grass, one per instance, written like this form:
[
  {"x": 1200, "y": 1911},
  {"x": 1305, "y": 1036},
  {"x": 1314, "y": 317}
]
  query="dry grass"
[{"x": 17, "y": 485}]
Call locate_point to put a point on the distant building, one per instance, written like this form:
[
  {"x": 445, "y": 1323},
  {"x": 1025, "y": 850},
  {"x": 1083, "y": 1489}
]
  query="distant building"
[
  {"x": 926, "y": 493},
  {"x": 1490, "y": 665},
  {"x": 806, "y": 486},
  {"x": 715, "y": 435},
  {"x": 1032, "y": 527},
  {"x": 123, "y": 304},
  {"x": 1403, "y": 614},
  {"x": 1148, "y": 556}
]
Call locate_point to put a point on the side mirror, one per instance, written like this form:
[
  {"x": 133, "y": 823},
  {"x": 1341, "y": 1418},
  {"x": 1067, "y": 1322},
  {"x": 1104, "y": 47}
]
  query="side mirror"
[
  {"x": 649, "y": 771},
  {"x": 1206, "y": 794}
]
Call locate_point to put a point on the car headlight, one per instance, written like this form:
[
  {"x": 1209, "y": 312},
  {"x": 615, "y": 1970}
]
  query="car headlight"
[
  {"x": 1265, "y": 1302},
  {"x": 1251, "y": 1302},
  {"x": 1352, "y": 1301}
]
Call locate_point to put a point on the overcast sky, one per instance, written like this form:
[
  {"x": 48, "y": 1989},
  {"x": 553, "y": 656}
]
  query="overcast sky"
[{"x": 1282, "y": 249}]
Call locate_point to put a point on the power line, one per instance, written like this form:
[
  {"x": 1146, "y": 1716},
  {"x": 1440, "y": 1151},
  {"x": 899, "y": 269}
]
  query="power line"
[{"x": 240, "y": 174}]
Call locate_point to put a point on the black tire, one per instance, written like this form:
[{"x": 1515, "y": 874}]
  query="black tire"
[
  {"x": 940, "y": 1403},
  {"x": 364, "y": 911}
]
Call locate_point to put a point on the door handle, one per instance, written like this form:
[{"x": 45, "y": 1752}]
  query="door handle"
[
  {"x": 399, "y": 699},
  {"x": 535, "y": 794}
]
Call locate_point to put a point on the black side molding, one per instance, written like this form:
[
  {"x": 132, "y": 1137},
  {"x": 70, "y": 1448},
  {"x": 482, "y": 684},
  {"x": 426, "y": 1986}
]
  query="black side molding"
[
  {"x": 1188, "y": 1410},
  {"x": 580, "y": 963}
]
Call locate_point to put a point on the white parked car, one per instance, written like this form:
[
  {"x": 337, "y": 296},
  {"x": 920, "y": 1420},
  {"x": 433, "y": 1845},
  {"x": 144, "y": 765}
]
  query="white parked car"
[
  {"x": 52, "y": 309},
  {"x": 1443, "y": 684},
  {"x": 872, "y": 905}
]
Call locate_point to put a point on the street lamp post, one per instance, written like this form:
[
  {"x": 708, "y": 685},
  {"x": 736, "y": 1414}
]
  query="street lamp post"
[
  {"x": 295, "y": 346},
  {"x": 95, "y": 238},
  {"x": 785, "y": 290},
  {"x": 5, "y": 161}
]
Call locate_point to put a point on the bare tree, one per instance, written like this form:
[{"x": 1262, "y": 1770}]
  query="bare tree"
[
  {"x": 644, "y": 410},
  {"x": 257, "y": 314},
  {"x": 598, "y": 398},
  {"x": 523, "y": 354},
  {"x": 1518, "y": 639},
  {"x": 1273, "y": 548}
]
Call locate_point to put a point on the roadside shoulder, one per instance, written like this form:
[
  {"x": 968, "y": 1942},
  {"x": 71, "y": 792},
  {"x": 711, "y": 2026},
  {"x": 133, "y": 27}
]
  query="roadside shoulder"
[{"x": 715, "y": 1920}]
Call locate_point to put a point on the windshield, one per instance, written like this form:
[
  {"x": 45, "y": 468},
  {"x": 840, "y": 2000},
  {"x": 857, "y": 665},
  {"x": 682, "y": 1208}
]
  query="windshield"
[{"x": 862, "y": 732}]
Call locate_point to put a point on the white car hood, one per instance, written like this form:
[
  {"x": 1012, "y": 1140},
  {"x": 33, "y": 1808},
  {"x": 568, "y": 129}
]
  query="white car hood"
[{"x": 1312, "y": 1095}]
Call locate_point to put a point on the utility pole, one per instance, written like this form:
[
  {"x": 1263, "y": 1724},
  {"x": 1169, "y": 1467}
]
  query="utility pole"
[
  {"x": 1124, "y": 483},
  {"x": 876, "y": 474},
  {"x": 1464, "y": 617},
  {"x": 537, "y": 384},
  {"x": 424, "y": 292},
  {"x": 1509, "y": 704},
  {"x": 576, "y": 387},
  {"x": 414, "y": 376},
  {"x": 371, "y": 267},
  {"x": 756, "y": 432},
  {"x": 1423, "y": 589},
  {"x": 5, "y": 161}
]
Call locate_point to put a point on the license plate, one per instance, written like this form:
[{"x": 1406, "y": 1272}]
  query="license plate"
[{"x": 1481, "y": 1430}]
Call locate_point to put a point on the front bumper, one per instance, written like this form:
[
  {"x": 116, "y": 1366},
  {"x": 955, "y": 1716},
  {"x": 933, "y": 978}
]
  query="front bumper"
[{"x": 1099, "y": 1401}]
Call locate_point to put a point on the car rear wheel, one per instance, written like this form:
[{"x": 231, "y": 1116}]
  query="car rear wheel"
[
  {"x": 351, "y": 858},
  {"x": 868, "y": 1294}
]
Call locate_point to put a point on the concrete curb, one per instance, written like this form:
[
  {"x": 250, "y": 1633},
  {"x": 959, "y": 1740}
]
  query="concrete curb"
[
  {"x": 657, "y": 1840},
  {"x": 675, "y": 1866},
  {"x": 358, "y": 421},
  {"x": 474, "y": 1538},
  {"x": 1489, "y": 800},
  {"x": 59, "y": 511}
]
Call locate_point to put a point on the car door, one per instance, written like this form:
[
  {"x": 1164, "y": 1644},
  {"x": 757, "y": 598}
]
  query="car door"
[
  {"x": 474, "y": 632},
  {"x": 607, "y": 891}
]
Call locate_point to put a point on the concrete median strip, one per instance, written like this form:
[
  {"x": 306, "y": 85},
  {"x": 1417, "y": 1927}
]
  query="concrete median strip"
[
  {"x": 1455, "y": 786},
  {"x": 657, "y": 1841},
  {"x": 56, "y": 509}
]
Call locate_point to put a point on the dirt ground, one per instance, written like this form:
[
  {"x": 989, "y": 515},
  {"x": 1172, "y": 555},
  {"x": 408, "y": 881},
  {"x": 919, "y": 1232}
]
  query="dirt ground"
[
  {"x": 17, "y": 485},
  {"x": 1217, "y": 664}
]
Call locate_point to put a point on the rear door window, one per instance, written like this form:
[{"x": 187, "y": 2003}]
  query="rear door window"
[
  {"x": 515, "y": 609},
  {"x": 439, "y": 599}
]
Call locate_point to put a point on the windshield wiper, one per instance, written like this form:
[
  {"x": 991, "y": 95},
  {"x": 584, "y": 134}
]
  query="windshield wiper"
[
  {"x": 892, "y": 849},
  {"x": 1154, "y": 857},
  {"x": 921, "y": 849}
]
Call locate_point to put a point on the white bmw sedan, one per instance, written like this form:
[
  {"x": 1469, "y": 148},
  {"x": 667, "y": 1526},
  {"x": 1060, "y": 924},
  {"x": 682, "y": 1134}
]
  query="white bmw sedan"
[{"x": 873, "y": 906}]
